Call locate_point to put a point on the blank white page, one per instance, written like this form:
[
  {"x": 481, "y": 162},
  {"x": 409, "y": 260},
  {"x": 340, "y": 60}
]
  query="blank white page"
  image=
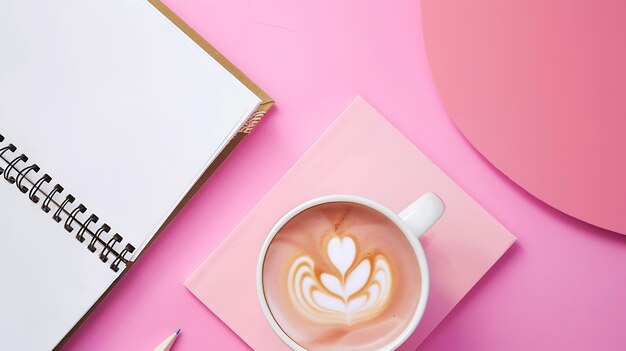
[
  {"x": 116, "y": 103},
  {"x": 48, "y": 279}
]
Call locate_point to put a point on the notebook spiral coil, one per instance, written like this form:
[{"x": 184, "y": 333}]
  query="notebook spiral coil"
[{"x": 16, "y": 173}]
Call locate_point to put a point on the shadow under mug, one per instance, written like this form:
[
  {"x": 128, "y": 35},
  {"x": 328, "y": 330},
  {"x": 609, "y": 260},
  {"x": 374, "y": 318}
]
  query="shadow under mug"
[{"x": 413, "y": 221}]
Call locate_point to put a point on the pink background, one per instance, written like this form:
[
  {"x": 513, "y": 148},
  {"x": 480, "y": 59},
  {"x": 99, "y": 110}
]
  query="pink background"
[{"x": 561, "y": 286}]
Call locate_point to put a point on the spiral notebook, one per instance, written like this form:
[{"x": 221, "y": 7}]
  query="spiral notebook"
[{"x": 112, "y": 114}]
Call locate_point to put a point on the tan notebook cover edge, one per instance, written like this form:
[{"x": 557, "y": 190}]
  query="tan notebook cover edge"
[{"x": 249, "y": 125}]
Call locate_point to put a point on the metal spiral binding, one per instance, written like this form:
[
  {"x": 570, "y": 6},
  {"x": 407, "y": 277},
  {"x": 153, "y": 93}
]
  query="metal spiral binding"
[
  {"x": 115, "y": 266},
  {"x": 23, "y": 173},
  {"x": 33, "y": 191},
  {"x": 7, "y": 172},
  {"x": 20, "y": 178}
]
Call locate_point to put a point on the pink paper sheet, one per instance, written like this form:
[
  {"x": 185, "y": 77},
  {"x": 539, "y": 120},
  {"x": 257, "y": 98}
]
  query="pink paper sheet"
[
  {"x": 539, "y": 91},
  {"x": 361, "y": 154}
]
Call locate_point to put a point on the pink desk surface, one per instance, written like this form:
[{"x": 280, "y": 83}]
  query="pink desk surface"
[{"x": 561, "y": 287}]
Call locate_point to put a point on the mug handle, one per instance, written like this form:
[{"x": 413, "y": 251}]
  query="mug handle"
[{"x": 423, "y": 213}]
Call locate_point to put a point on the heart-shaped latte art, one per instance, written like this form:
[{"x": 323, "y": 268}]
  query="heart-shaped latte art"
[
  {"x": 359, "y": 293},
  {"x": 341, "y": 252}
]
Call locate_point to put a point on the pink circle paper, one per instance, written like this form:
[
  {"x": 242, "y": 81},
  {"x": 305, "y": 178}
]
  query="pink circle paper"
[{"x": 539, "y": 88}]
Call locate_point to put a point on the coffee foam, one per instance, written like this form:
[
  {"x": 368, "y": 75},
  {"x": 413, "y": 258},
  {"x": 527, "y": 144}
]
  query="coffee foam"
[
  {"x": 348, "y": 298},
  {"x": 341, "y": 276}
]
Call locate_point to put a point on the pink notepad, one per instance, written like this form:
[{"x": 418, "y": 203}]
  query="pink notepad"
[{"x": 361, "y": 154}]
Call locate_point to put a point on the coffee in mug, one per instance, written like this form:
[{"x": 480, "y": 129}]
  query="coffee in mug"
[{"x": 342, "y": 275}]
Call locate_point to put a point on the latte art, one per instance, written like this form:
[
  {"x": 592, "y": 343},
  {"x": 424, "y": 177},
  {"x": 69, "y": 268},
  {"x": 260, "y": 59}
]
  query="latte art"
[
  {"x": 341, "y": 276},
  {"x": 358, "y": 293}
]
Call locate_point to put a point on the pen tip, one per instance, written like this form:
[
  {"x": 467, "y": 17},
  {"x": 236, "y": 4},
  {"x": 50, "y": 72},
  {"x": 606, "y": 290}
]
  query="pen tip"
[{"x": 178, "y": 331}]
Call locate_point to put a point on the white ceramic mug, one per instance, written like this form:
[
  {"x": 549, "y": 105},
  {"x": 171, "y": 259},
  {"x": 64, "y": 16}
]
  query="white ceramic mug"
[{"x": 414, "y": 221}]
